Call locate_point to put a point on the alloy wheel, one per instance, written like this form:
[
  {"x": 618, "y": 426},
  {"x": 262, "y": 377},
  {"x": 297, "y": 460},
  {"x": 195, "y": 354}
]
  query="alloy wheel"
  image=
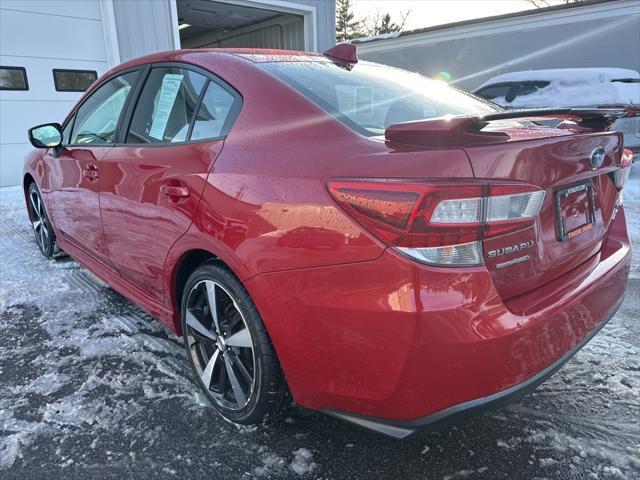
[
  {"x": 220, "y": 345},
  {"x": 39, "y": 222}
]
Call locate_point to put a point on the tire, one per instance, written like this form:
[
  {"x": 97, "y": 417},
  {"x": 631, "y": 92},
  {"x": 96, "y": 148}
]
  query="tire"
[
  {"x": 44, "y": 234},
  {"x": 214, "y": 347}
]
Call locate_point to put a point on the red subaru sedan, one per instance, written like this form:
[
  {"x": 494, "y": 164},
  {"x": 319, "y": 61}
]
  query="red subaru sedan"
[{"x": 379, "y": 246}]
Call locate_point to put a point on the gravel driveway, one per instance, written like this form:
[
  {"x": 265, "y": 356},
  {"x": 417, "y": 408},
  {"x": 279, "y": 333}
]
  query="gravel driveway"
[{"x": 93, "y": 387}]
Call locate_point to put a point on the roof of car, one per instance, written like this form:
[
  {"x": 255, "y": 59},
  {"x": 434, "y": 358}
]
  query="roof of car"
[
  {"x": 206, "y": 55},
  {"x": 258, "y": 55},
  {"x": 261, "y": 55}
]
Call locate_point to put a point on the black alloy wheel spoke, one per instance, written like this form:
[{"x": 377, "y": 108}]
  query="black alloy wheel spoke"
[{"x": 220, "y": 345}]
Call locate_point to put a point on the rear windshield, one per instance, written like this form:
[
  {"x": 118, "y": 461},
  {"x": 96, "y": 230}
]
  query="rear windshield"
[{"x": 370, "y": 97}]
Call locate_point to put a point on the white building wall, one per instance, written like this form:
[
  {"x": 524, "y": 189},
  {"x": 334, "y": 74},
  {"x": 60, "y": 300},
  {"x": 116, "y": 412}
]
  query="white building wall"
[
  {"x": 145, "y": 26},
  {"x": 325, "y": 21},
  {"x": 41, "y": 35}
]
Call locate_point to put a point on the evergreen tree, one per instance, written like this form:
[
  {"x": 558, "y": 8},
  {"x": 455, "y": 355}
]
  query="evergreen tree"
[
  {"x": 346, "y": 27},
  {"x": 387, "y": 26}
]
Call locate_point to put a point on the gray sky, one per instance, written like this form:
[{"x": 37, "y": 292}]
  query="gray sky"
[{"x": 425, "y": 13}]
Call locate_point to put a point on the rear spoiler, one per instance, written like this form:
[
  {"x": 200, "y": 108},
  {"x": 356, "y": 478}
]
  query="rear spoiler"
[{"x": 467, "y": 130}]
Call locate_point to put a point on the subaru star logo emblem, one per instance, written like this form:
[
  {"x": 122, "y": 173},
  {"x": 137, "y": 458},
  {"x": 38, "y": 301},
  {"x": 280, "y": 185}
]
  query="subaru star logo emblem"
[{"x": 596, "y": 159}]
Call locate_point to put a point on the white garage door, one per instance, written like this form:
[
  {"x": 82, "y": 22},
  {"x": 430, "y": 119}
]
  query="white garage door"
[{"x": 36, "y": 38}]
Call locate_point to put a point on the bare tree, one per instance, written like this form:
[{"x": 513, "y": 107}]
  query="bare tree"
[{"x": 379, "y": 23}]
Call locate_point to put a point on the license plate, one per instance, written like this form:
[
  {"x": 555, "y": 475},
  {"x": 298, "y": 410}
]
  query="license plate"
[{"x": 574, "y": 210}]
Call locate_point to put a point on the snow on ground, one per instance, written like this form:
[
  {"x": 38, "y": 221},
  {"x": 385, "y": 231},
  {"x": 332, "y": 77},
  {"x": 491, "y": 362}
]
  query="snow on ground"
[{"x": 91, "y": 386}]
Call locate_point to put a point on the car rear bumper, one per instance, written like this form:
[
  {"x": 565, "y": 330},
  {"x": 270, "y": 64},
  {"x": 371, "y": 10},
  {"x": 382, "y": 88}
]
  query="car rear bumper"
[
  {"x": 397, "y": 347},
  {"x": 403, "y": 429}
]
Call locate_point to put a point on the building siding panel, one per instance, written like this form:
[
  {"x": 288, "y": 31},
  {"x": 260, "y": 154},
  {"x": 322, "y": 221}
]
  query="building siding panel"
[
  {"x": 143, "y": 26},
  {"x": 326, "y": 18},
  {"x": 609, "y": 37}
]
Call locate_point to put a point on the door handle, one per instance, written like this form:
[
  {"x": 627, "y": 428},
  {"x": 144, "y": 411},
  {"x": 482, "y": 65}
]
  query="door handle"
[
  {"x": 91, "y": 172},
  {"x": 175, "y": 192}
]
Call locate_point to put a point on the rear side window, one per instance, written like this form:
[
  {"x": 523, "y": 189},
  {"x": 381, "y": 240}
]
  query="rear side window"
[
  {"x": 511, "y": 90},
  {"x": 13, "y": 78},
  {"x": 626, "y": 80},
  {"x": 369, "y": 97},
  {"x": 166, "y": 106},
  {"x": 214, "y": 113},
  {"x": 494, "y": 91},
  {"x": 73, "y": 80},
  {"x": 97, "y": 118}
]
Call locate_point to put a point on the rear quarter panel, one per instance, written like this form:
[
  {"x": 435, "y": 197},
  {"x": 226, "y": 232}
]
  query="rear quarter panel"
[{"x": 266, "y": 201}]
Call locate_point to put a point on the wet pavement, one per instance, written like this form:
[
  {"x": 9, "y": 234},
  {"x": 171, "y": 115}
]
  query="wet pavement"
[{"x": 93, "y": 387}]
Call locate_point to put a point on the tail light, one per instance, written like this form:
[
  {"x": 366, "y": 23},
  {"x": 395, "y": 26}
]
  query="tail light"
[
  {"x": 620, "y": 176},
  {"x": 439, "y": 223}
]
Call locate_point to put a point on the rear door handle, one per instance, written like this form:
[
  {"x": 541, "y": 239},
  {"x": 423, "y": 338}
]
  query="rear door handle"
[
  {"x": 91, "y": 172},
  {"x": 175, "y": 192}
]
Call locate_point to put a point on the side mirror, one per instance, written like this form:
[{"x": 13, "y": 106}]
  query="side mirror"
[{"x": 48, "y": 135}]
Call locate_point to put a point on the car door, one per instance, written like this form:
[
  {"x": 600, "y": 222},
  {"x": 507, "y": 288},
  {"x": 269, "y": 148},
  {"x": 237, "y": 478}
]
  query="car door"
[
  {"x": 152, "y": 180},
  {"x": 74, "y": 173}
]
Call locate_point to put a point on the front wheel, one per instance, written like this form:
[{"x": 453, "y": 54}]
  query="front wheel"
[
  {"x": 228, "y": 346},
  {"x": 45, "y": 236}
]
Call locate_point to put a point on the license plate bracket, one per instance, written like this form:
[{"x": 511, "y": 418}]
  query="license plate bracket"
[{"x": 574, "y": 210}]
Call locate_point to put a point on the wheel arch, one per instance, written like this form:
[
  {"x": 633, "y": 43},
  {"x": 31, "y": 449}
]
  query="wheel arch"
[
  {"x": 181, "y": 269},
  {"x": 186, "y": 264},
  {"x": 26, "y": 182}
]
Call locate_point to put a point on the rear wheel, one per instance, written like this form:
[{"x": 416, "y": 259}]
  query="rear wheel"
[
  {"x": 45, "y": 237},
  {"x": 229, "y": 348}
]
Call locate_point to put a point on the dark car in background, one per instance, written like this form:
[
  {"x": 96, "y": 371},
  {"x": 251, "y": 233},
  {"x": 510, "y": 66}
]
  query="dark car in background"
[{"x": 570, "y": 87}]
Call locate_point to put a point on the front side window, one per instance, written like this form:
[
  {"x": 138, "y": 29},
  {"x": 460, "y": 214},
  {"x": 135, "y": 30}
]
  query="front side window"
[
  {"x": 66, "y": 132},
  {"x": 370, "y": 97},
  {"x": 13, "y": 78},
  {"x": 166, "y": 106},
  {"x": 97, "y": 118}
]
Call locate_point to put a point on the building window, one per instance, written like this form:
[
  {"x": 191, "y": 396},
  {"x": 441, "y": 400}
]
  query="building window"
[
  {"x": 13, "y": 78},
  {"x": 73, "y": 80}
]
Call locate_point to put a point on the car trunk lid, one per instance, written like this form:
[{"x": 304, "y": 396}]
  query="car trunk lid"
[
  {"x": 572, "y": 163},
  {"x": 576, "y": 211}
]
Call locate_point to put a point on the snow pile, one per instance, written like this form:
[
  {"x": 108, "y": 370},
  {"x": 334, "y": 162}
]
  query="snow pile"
[
  {"x": 380, "y": 36},
  {"x": 272, "y": 464},
  {"x": 302, "y": 462}
]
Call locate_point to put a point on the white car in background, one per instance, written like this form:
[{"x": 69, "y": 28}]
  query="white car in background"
[{"x": 570, "y": 87}]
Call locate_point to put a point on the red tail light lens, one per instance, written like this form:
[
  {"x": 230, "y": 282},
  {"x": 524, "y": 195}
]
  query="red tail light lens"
[{"x": 440, "y": 223}]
